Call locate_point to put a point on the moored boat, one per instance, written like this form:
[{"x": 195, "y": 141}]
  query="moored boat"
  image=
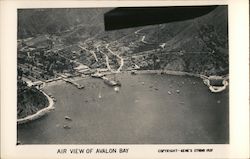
[{"x": 111, "y": 82}]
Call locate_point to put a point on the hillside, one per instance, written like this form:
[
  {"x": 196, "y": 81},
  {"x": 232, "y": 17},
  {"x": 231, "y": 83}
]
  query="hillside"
[
  {"x": 198, "y": 45},
  {"x": 29, "y": 100},
  {"x": 32, "y": 22}
]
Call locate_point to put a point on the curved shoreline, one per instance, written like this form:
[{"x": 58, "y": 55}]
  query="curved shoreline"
[
  {"x": 205, "y": 79},
  {"x": 39, "y": 113}
]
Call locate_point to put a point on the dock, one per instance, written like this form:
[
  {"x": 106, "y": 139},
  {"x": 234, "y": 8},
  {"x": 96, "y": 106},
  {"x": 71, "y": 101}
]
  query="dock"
[{"x": 79, "y": 86}]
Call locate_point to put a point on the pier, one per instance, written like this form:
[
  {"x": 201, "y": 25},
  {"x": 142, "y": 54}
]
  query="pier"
[{"x": 79, "y": 86}]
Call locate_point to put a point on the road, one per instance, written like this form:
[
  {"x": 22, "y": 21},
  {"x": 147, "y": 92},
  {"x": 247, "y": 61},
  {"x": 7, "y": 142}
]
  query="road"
[
  {"x": 119, "y": 57},
  {"x": 137, "y": 32},
  {"x": 92, "y": 52},
  {"x": 107, "y": 58}
]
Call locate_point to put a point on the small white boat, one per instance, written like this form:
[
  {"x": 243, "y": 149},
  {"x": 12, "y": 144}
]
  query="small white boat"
[
  {"x": 80, "y": 86},
  {"x": 66, "y": 127},
  {"x": 116, "y": 89},
  {"x": 67, "y": 118},
  {"x": 111, "y": 82}
]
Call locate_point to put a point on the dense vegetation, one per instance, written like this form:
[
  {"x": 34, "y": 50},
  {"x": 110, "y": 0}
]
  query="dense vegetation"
[{"x": 29, "y": 100}]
